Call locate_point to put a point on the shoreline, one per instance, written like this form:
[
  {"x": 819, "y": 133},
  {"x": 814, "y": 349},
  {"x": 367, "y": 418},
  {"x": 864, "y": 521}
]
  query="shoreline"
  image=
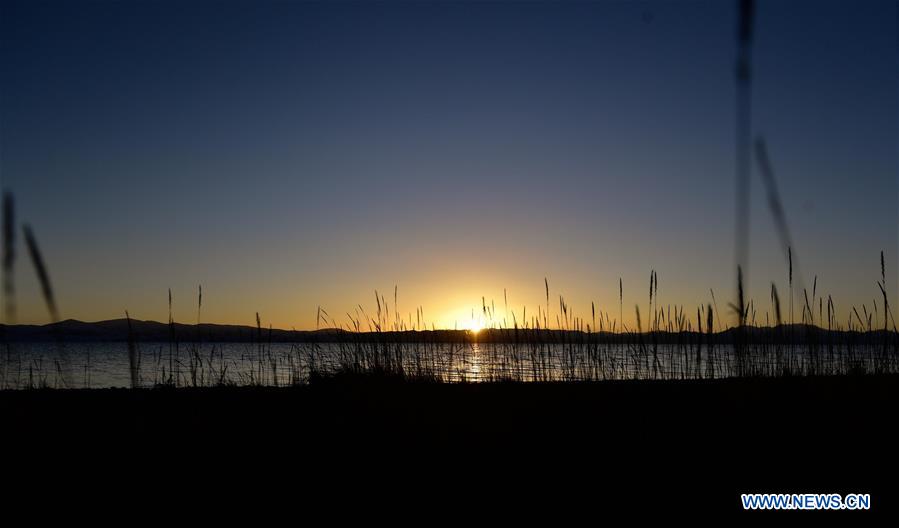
[{"x": 672, "y": 441}]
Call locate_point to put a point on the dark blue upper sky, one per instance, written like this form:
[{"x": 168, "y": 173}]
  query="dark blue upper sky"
[{"x": 292, "y": 154}]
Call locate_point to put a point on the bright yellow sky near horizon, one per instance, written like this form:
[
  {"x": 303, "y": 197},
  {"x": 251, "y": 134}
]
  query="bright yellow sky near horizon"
[{"x": 446, "y": 300}]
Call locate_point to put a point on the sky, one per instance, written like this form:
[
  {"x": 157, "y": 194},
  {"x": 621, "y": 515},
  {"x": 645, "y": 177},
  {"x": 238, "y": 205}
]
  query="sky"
[{"x": 292, "y": 155}]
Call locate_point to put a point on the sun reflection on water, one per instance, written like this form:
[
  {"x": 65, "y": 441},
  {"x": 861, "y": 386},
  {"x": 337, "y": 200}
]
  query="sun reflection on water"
[{"x": 474, "y": 363}]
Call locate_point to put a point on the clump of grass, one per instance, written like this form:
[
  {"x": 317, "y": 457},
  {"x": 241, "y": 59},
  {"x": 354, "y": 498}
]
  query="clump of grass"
[{"x": 133, "y": 358}]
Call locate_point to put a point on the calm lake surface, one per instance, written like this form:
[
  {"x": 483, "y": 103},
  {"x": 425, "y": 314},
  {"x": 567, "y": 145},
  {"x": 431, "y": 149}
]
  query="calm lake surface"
[{"x": 100, "y": 365}]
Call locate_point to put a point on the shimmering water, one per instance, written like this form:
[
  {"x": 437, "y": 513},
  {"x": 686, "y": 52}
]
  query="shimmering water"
[{"x": 96, "y": 365}]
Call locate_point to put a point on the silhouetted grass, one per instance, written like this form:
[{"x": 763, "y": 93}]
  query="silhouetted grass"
[
  {"x": 40, "y": 268},
  {"x": 388, "y": 346}
]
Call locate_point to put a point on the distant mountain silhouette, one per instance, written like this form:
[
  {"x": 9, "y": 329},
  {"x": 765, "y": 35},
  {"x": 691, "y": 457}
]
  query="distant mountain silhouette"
[{"x": 116, "y": 330}]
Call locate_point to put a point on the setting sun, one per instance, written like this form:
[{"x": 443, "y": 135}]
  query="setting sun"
[{"x": 474, "y": 326}]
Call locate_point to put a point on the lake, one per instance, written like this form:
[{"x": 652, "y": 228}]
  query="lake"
[{"x": 101, "y": 365}]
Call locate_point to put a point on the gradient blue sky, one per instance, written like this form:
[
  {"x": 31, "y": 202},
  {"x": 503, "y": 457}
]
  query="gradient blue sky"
[{"x": 288, "y": 155}]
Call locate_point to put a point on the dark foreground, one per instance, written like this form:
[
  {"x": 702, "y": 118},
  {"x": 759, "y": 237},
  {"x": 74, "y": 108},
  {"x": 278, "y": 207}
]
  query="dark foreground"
[{"x": 517, "y": 450}]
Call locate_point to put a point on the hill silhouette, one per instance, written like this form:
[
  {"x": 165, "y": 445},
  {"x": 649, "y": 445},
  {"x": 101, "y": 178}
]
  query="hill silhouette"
[{"x": 116, "y": 330}]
